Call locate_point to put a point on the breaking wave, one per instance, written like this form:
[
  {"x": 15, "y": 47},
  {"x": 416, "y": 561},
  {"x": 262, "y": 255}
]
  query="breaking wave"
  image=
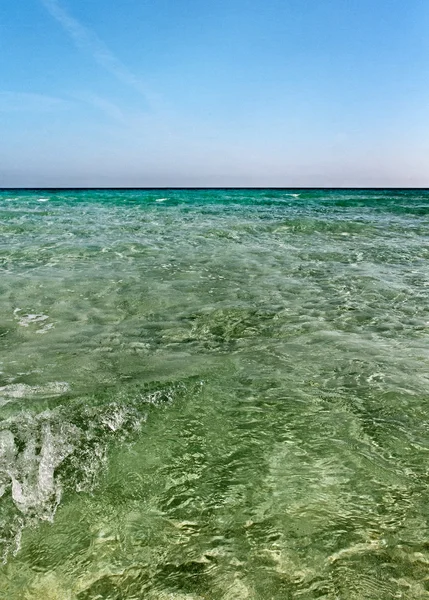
[{"x": 44, "y": 454}]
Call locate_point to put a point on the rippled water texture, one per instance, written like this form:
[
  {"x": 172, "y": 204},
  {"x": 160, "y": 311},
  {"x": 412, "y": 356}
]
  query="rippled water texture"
[{"x": 212, "y": 395}]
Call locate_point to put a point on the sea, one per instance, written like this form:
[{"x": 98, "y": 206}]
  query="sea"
[{"x": 214, "y": 394}]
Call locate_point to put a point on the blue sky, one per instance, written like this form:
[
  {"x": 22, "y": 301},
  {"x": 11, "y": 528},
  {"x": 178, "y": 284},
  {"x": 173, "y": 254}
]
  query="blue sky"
[{"x": 222, "y": 93}]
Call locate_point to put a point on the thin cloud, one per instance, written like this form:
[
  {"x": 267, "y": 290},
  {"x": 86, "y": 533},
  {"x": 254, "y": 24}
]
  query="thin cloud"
[
  {"x": 28, "y": 102},
  {"x": 110, "y": 109},
  {"x": 87, "y": 40}
]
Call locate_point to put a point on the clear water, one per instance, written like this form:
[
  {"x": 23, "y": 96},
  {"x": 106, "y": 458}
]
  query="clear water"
[{"x": 214, "y": 395}]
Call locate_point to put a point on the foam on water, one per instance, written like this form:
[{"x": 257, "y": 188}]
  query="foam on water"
[
  {"x": 25, "y": 320},
  {"x": 67, "y": 445},
  {"x": 15, "y": 391}
]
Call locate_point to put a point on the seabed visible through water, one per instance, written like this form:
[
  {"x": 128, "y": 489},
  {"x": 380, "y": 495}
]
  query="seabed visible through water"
[{"x": 214, "y": 394}]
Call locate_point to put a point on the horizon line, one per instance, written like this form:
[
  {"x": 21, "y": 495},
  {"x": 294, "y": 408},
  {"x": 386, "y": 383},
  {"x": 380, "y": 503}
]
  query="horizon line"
[{"x": 148, "y": 188}]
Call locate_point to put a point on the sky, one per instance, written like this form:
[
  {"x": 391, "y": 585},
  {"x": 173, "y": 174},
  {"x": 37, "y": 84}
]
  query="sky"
[{"x": 223, "y": 93}]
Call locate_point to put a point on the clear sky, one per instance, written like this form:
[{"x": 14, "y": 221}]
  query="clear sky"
[{"x": 220, "y": 93}]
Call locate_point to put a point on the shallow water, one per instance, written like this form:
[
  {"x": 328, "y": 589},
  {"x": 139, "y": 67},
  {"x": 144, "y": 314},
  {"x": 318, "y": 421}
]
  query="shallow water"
[{"x": 214, "y": 394}]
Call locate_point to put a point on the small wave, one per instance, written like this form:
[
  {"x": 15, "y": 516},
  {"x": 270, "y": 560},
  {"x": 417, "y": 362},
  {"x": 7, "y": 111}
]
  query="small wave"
[
  {"x": 42, "y": 199},
  {"x": 64, "y": 447},
  {"x": 16, "y": 391},
  {"x": 161, "y": 199}
]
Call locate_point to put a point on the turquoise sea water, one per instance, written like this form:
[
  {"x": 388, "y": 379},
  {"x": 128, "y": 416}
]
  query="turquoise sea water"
[{"x": 214, "y": 394}]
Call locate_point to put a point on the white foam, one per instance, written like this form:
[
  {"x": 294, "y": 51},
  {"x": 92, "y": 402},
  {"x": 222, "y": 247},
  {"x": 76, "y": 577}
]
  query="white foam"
[
  {"x": 15, "y": 391},
  {"x": 27, "y": 320},
  {"x": 115, "y": 419},
  {"x": 8, "y": 453},
  {"x": 161, "y": 199},
  {"x": 43, "y": 200},
  {"x": 32, "y": 474},
  {"x": 46, "y": 328},
  {"x": 32, "y": 319}
]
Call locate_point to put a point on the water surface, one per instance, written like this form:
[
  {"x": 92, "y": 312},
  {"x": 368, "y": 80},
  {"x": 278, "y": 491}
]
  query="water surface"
[{"x": 214, "y": 394}]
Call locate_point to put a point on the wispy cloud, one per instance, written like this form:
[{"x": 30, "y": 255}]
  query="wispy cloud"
[
  {"x": 28, "y": 102},
  {"x": 110, "y": 109},
  {"x": 87, "y": 40}
]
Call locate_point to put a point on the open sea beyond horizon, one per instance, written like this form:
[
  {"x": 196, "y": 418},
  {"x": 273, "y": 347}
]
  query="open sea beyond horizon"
[{"x": 214, "y": 394}]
